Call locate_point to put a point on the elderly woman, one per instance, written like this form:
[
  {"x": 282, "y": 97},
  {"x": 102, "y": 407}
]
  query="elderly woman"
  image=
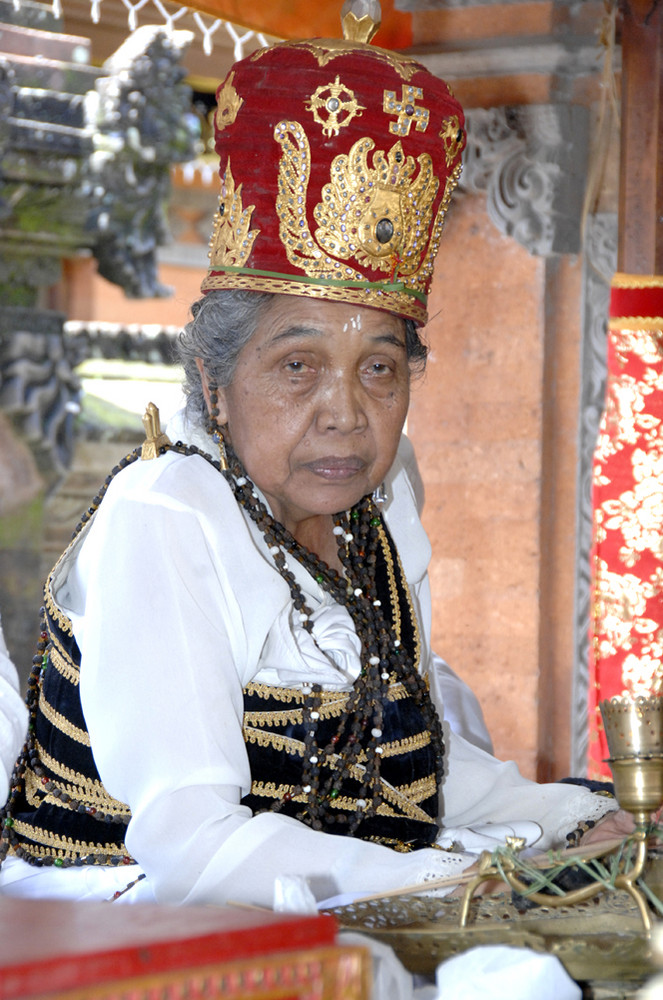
[{"x": 234, "y": 678}]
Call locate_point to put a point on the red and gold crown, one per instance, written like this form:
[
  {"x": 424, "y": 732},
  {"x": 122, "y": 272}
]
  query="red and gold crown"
[{"x": 337, "y": 163}]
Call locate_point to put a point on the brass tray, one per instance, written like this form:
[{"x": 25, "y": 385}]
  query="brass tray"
[{"x": 601, "y": 940}]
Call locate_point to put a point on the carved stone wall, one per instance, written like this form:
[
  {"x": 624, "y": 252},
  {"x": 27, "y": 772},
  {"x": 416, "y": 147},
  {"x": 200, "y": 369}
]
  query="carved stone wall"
[
  {"x": 599, "y": 264},
  {"x": 530, "y": 161}
]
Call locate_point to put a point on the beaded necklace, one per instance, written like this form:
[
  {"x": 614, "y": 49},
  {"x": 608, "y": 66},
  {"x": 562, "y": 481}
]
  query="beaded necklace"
[{"x": 355, "y": 746}]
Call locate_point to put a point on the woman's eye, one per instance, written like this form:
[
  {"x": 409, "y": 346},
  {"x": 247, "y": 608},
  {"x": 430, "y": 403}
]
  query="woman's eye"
[
  {"x": 379, "y": 368},
  {"x": 297, "y": 367}
]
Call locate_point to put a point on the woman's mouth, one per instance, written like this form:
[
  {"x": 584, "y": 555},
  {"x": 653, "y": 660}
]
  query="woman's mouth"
[{"x": 336, "y": 468}]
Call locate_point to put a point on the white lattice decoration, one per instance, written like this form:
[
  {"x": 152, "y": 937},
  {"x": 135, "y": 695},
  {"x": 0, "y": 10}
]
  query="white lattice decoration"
[{"x": 238, "y": 36}]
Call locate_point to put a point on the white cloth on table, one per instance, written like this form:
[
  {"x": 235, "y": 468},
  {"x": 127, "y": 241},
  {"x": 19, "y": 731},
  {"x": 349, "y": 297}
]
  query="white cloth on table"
[
  {"x": 176, "y": 606},
  {"x": 502, "y": 973}
]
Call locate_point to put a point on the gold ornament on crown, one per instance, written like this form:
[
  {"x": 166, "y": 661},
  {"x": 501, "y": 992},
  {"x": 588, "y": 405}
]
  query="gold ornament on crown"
[
  {"x": 232, "y": 238},
  {"x": 451, "y": 135},
  {"x": 338, "y": 105},
  {"x": 228, "y": 104},
  {"x": 376, "y": 209},
  {"x": 328, "y": 49}
]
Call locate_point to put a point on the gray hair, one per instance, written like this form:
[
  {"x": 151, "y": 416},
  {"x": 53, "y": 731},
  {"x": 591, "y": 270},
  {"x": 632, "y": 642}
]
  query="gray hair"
[{"x": 222, "y": 323}]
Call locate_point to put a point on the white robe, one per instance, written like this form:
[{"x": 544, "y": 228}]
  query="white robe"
[
  {"x": 13, "y": 718},
  {"x": 176, "y": 606}
]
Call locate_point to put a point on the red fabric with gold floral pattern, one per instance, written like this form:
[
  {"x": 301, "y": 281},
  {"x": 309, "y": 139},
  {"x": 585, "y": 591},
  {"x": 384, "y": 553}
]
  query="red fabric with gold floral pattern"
[
  {"x": 337, "y": 162},
  {"x": 627, "y": 626}
]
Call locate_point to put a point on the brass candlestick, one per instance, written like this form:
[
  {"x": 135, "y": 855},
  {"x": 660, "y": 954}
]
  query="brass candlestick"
[{"x": 634, "y": 731}]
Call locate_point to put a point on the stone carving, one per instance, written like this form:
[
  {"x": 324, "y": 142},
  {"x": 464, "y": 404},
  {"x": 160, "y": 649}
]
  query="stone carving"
[
  {"x": 38, "y": 387},
  {"x": 85, "y": 158},
  {"x": 530, "y": 162},
  {"x": 142, "y": 121},
  {"x": 600, "y": 261}
]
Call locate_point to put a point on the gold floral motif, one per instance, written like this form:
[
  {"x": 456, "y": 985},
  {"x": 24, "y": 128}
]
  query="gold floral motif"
[
  {"x": 621, "y": 609},
  {"x": 232, "y": 239},
  {"x": 638, "y": 513},
  {"x": 294, "y": 174},
  {"x": 228, "y": 104},
  {"x": 380, "y": 214},
  {"x": 625, "y": 418},
  {"x": 333, "y": 106},
  {"x": 451, "y": 135},
  {"x": 644, "y": 344},
  {"x": 642, "y": 674},
  {"x": 332, "y": 48},
  {"x": 406, "y": 110}
]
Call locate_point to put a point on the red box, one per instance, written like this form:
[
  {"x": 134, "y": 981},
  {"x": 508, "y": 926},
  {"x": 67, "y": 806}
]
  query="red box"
[{"x": 48, "y": 947}]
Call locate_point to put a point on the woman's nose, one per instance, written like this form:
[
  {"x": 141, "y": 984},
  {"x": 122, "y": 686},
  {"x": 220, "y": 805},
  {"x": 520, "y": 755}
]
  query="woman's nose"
[{"x": 341, "y": 406}]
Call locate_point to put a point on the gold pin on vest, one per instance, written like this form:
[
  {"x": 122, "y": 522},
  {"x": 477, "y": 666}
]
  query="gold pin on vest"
[{"x": 155, "y": 439}]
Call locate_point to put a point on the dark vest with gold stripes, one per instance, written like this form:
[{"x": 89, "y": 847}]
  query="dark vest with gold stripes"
[
  {"x": 59, "y": 813},
  {"x": 274, "y": 731}
]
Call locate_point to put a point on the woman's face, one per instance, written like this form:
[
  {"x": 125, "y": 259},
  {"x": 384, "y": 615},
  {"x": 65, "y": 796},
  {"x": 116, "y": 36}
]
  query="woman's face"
[{"x": 317, "y": 404}]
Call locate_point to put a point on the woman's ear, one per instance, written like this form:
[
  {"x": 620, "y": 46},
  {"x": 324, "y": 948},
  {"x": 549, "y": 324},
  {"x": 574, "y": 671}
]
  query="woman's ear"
[{"x": 221, "y": 398}]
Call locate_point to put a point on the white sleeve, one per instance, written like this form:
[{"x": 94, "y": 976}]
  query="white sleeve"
[
  {"x": 13, "y": 718},
  {"x": 163, "y": 643},
  {"x": 480, "y": 789},
  {"x": 460, "y": 705}
]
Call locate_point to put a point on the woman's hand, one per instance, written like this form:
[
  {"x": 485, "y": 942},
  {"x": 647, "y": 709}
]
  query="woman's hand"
[{"x": 614, "y": 826}]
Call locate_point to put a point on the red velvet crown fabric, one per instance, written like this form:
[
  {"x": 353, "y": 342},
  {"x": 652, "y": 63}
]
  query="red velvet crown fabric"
[{"x": 337, "y": 162}]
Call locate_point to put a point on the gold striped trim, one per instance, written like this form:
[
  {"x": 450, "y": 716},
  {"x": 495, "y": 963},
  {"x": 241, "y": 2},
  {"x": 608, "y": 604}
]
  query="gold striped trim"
[
  {"x": 270, "y": 790},
  {"x": 89, "y": 786},
  {"x": 35, "y": 793},
  {"x": 293, "y": 716},
  {"x": 331, "y": 706},
  {"x": 64, "y": 666},
  {"x": 391, "y": 577},
  {"x": 65, "y": 846},
  {"x": 407, "y": 745},
  {"x": 288, "y": 694},
  {"x": 64, "y": 725},
  {"x": 49, "y": 603},
  {"x": 396, "y": 797},
  {"x": 393, "y": 593},
  {"x": 264, "y": 738},
  {"x": 419, "y": 790},
  {"x": 647, "y": 324},
  {"x": 622, "y": 280}
]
